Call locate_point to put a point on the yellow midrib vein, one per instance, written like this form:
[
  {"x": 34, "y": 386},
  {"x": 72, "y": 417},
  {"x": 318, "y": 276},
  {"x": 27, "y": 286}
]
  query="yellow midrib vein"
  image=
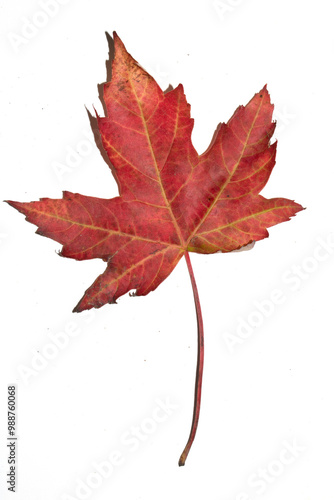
[
  {"x": 132, "y": 267},
  {"x": 110, "y": 231},
  {"x": 216, "y": 199},
  {"x": 235, "y": 222},
  {"x": 177, "y": 227}
]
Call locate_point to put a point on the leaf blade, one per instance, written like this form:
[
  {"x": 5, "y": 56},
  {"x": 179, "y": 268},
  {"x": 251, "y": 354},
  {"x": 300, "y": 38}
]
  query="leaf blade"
[{"x": 171, "y": 199}]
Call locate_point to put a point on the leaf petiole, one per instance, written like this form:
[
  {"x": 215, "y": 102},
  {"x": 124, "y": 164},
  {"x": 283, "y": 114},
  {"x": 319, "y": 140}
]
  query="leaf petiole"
[{"x": 199, "y": 368}]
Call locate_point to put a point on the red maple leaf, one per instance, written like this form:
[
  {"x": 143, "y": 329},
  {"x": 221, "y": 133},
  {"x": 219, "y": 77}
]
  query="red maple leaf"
[{"x": 172, "y": 201}]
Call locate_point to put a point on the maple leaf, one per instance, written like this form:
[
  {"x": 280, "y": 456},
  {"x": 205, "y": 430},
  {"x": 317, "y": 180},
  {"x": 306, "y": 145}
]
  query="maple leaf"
[{"x": 171, "y": 200}]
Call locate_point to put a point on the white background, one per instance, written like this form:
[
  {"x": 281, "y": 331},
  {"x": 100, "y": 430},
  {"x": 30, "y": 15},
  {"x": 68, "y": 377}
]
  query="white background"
[{"x": 271, "y": 387}]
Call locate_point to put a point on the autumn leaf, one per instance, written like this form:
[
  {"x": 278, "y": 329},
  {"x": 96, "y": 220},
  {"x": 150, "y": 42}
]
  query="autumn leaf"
[{"x": 171, "y": 200}]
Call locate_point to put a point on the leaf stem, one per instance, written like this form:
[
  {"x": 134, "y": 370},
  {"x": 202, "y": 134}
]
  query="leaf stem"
[{"x": 199, "y": 368}]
